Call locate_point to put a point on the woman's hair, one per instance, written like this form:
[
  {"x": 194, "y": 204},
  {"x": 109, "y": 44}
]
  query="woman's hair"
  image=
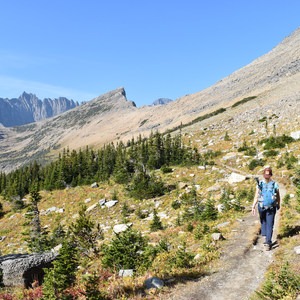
[{"x": 268, "y": 169}]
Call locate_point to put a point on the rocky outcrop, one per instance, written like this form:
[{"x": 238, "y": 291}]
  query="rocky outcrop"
[
  {"x": 161, "y": 101},
  {"x": 28, "y": 108},
  {"x": 24, "y": 269}
]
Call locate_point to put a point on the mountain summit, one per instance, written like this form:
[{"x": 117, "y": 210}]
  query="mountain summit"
[
  {"x": 267, "y": 88},
  {"x": 29, "y": 108}
]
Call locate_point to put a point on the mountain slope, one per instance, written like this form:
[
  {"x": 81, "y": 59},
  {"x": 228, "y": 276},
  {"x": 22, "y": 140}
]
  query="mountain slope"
[{"x": 271, "y": 82}]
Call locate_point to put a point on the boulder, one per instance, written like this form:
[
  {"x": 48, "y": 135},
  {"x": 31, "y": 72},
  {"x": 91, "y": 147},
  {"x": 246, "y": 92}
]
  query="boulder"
[
  {"x": 295, "y": 135},
  {"x": 217, "y": 236},
  {"x": 235, "y": 177},
  {"x": 126, "y": 273},
  {"x": 111, "y": 203},
  {"x": 154, "y": 282},
  {"x": 23, "y": 269},
  {"x": 297, "y": 249},
  {"x": 121, "y": 227}
]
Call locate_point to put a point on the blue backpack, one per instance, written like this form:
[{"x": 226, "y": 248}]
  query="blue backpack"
[{"x": 268, "y": 193}]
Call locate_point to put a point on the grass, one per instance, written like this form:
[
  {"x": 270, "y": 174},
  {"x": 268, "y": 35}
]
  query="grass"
[{"x": 11, "y": 223}]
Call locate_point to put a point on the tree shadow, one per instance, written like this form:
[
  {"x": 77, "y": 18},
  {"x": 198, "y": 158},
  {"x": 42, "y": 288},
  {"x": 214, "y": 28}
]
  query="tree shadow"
[{"x": 289, "y": 231}]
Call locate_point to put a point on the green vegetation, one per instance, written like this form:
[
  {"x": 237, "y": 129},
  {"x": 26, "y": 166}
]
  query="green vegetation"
[
  {"x": 126, "y": 251},
  {"x": 243, "y": 101},
  {"x": 274, "y": 142},
  {"x": 199, "y": 119}
]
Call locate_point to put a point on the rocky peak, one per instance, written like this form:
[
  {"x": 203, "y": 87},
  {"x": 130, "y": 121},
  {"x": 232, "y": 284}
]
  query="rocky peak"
[{"x": 29, "y": 108}]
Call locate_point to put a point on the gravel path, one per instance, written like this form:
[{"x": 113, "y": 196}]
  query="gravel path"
[{"x": 242, "y": 266}]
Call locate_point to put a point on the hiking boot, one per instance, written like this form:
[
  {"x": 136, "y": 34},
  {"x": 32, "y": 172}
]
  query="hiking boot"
[{"x": 267, "y": 247}]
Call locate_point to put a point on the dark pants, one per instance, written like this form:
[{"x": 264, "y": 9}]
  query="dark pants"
[{"x": 267, "y": 217}]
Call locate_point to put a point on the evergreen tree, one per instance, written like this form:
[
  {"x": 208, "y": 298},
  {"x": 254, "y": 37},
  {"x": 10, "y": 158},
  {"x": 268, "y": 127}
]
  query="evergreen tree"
[
  {"x": 125, "y": 251},
  {"x": 156, "y": 222},
  {"x": 63, "y": 273},
  {"x": 37, "y": 241},
  {"x": 84, "y": 234}
]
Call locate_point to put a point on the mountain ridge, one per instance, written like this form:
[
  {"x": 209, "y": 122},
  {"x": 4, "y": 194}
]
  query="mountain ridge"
[
  {"x": 271, "y": 80},
  {"x": 29, "y": 108}
]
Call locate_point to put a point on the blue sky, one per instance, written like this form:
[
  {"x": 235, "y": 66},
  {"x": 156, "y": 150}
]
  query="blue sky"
[{"x": 81, "y": 49}]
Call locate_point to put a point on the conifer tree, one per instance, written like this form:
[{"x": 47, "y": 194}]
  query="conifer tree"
[
  {"x": 37, "y": 241},
  {"x": 84, "y": 234},
  {"x": 156, "y": 222},
  {"x": 125, "y": 251},
  {"x": 63, "y": 273}
]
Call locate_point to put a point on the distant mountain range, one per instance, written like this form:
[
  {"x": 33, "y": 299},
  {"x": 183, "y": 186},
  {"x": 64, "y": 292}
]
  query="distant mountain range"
[
  {"x": 264, "y": 92},
  {"x": 29, "y": 108}
]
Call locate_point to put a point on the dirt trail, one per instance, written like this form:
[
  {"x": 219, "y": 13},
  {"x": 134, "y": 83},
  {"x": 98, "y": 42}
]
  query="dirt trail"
[{"x": 241, "y": 269}]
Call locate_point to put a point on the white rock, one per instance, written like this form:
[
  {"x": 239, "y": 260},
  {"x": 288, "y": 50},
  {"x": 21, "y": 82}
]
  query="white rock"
[
  {"x": 126, "y": 273},
  {"x": 235, "y": 177},
  {"x": 297, "y": 249},
  {"x": 92, "y": 207},
  {"x": 87, "y": 200},
  {"x": 111, "y": 203},
  {"x": 121, "y": 227}
]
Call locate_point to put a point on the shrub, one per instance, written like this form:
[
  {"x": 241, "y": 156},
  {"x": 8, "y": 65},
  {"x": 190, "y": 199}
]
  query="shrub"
[
  {"x": 144, "y": 186},
  {"x": 125, "y": 251},
  {"x": 255, "y": 163},
  {"x": 156, "y": 222},
  {"x": 281, "y": 285},
  {"x": 176, "y": 204},
  {"x": 276, "y": 142},
  {"x": 166, "y": 169},
  {"x": 271, "y": 153},
  {"x": 181, "y": 258},
  {"x": 243, "y": 101}
]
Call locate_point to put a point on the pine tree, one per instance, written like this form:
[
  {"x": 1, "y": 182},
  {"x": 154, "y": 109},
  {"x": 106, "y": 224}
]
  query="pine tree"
[
  {"x": 125, "y": 251},
  {"x": 37, "y": 241},
  {"x": 156, "y": 222},
  {"x": 85, "y": 234},
  {"x": 63, "y": 273}
]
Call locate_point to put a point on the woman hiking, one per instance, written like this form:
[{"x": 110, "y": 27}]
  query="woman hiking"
[{"x": 267, "y": 197}]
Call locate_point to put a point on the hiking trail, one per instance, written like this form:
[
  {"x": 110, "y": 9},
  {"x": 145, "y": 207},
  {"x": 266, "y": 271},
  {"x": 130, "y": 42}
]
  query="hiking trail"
[{"x": 241, "y": 268}]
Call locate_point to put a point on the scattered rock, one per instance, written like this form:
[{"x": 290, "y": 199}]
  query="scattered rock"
[
  {"x": 111, "y": 203},
  {"x": 235, "y": 177},
  {"x": 154, "y": 282},
  {"x": 94, "y": 185},
  {"x": 217, "y": 236},
  {"x": 297, "y": 249},
  {"x": 87, "y": 200},
  {"x": 92, "y": 207},
  {"x": 295, "y": 135},
  {"x": 220, "y": 207},
  {"x": 102, "y": 202},
  {"x": 182, "y": 185},
  {"x": 121, "y": 227},
  {"x": 126, "y": 273},
  {"x": 223, "y": 224}
]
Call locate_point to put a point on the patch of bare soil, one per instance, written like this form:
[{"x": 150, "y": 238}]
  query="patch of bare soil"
[{"x": 241, "y": 268}]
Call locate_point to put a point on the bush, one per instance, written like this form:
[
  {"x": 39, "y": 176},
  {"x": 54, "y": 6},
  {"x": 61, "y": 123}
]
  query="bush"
[
  {"x": 271, "y": 153},
  {"x": 281, "y": 285},
  {"x": 166, "y": 169},
  {"x": 255, "y": 163},
  {"x": 125, "y": 251},
  {"x": 144, "y": 186},
  {"x": 181, "y": 258},
  {"x": 156, "y": 223},
  {"x": 276, "y": 142}
]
